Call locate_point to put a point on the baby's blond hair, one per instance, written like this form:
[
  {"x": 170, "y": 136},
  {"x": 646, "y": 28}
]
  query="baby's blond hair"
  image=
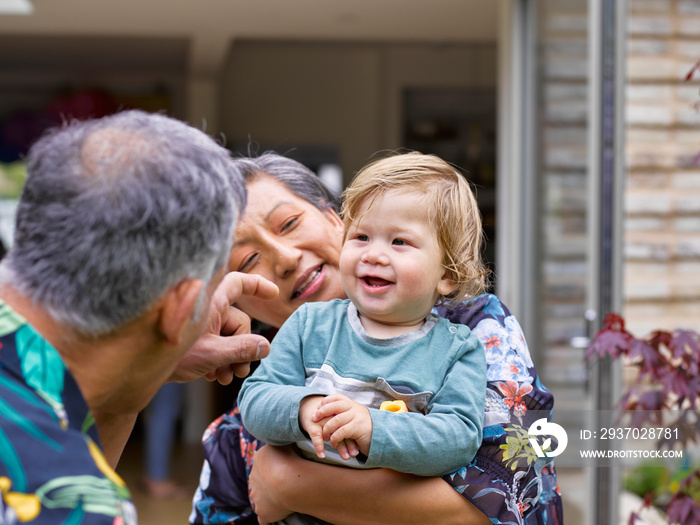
[{"x": 453, "y": 211}]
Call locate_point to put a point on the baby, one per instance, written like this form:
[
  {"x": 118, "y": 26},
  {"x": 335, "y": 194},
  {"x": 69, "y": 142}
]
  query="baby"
[{"x": 412, "y": 240}]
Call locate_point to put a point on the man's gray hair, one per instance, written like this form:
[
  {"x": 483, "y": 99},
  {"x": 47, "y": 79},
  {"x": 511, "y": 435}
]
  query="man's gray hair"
[
  {"x": 298, "y": 179},
  {"x": 116, "y": 211}
]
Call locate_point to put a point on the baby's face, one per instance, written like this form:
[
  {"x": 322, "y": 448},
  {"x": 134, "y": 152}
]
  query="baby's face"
[{"x": 391, "y": 263}]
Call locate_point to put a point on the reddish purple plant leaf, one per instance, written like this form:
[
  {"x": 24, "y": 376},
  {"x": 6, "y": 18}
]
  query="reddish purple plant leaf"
[
  {"x": 683, "y": 510},
  {"x": 651, "y": 360},
  {"x": 660, "y": 338},
  {"x": 675, "y": 381},
  {"x": 627, "y": 403},
  {"x": 614, "y": 321},
  {"x": 685, "y": 342},
  {"x": 641, "y": 399},
  {"x": 609, "y": 342},
  {"x": 646, "y": 410},
  {"x": 696, "y": 67},
  {"x": 689, "y": 77},
  {"x": 612, "y": 339},
  {"x": 651, "y": 401},
  {"x": 635, "y": 516},
  {"x": 694, "y": 388},
  {"x": 687, "y": 482},
  {"x": 691, "y": 364}
]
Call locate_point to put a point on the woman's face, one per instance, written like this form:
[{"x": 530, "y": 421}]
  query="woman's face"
[{"x": 289, "y": 242}]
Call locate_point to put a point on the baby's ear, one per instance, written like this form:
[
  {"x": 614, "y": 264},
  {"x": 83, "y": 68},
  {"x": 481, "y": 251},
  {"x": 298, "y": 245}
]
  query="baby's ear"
[{"x": 446, "y": 285}]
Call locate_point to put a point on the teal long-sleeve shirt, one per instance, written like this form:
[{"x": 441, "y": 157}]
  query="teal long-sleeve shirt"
[{"x": 439, "y": 370}]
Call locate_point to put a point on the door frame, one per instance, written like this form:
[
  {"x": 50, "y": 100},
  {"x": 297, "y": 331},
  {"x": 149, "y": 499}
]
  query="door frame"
[
  {"x": 518, "y": 250},
  {"x": 517, "y": 196}
]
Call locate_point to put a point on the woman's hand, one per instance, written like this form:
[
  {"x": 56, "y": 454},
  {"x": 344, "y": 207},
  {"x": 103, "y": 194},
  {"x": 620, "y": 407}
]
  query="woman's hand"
[
  {"x": 266, "y": 482},
  {"x": 282, "y": 482}
]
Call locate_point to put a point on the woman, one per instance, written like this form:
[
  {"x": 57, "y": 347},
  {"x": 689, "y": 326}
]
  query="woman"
[{"x": 291, "y": 234}]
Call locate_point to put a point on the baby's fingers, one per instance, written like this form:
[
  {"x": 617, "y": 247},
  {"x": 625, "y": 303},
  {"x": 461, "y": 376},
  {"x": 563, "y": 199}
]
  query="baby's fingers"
[
  {"x": 331, "y": 406},
  {"x": 348, "y": 448},
  {"x": 317, "y": 441},
  {"x": 352, "y": 447},
  {"x": 333, "y": 425},
  {"x": 343, "y": 450}
]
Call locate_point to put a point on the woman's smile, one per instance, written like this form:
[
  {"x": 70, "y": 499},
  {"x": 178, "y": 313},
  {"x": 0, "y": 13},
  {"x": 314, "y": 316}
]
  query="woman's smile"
[
  {"x": 289, "y": 242},
  {"x": 309, "y": 283}
]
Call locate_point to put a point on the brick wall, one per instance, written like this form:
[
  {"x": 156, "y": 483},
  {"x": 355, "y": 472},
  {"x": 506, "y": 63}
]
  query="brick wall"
[{"x": 662, "y": 198}]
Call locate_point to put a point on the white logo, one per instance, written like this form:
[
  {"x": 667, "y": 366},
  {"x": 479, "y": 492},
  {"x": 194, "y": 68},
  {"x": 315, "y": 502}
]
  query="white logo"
[{"x": 542, "y": 427}]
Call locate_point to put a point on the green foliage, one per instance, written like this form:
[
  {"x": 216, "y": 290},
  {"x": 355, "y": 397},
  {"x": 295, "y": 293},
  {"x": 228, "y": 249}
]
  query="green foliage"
[
  {"x": 645, "y": 479},
  {"x": 12, "y": 177},
  {"x": 653, "y": 477}
]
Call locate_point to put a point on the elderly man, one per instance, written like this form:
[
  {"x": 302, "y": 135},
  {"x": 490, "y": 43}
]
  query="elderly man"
[{"x": 117, "y": 269}]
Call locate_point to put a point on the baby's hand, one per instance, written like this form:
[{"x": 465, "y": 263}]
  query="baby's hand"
[
  {"x": 348, "y": 448},
  {"x": 308, "y": 408},
  {"x": 344, "y": 421}
]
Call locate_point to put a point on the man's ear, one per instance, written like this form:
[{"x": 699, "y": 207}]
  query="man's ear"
[{"x": 178, "y": 308}]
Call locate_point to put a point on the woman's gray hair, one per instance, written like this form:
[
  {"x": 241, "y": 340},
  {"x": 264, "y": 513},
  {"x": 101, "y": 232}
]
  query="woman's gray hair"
[
  {"x": 115, "y": 212},
  {"x": 298, "y": 179}
]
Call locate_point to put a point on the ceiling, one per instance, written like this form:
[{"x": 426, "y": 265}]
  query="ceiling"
[{"x": 206, "y": 28}]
